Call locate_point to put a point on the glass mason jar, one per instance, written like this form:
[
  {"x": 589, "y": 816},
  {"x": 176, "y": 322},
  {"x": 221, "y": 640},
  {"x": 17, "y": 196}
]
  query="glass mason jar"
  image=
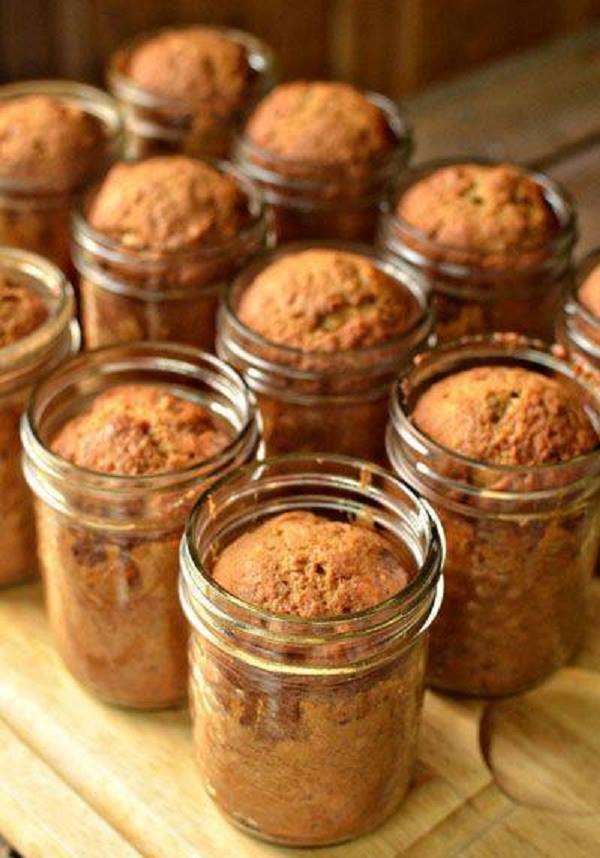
[
  {"x": 322, "y": 401},
  {"x": 157, "y": 125},
  {"x": 522, "y": 541},
  {"x": 108, "y": 544},
  {"x": 31, "y": 216},
  {"x": 310, "y": 200},
  {"x": 577, "y": 328},
  {"x": 129, "y": 294},
  {"x": 22, "y": 363},
  {"x": 477, "y": 292},
  {"x": 306, "y": 730}
]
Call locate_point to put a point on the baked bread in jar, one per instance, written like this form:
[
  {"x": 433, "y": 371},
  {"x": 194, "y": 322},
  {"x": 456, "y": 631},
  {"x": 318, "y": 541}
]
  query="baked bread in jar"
[
  {"x": 155, "y": 244},
  {"x": 493, "y": 240},
  {"x": 501, "y": 435},
  {"x": 55, "y": 138},
  {"x": 320, "y": 332},
  {"x": 117, "y": 447},
  {"x": 323, "y": 153}
]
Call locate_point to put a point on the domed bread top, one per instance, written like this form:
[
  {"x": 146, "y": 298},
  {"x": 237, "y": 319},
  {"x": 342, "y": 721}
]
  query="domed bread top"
[
  {"x": 495, "y": 209},
  {"x": 168, "y": 203},
  {"x": 139, "y": 429},
  {"x": 506, "y": 416},
  {"x": 304, "y": 565},
  {"x": 327, "y": 300},
  {"x": 48, "y": 143},
  {"x": 192, "y": 64},
  {"x": 320, "y": 122}
]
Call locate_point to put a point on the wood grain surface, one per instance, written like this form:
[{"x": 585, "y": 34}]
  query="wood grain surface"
[
  {"x": 540, "y": 107},
  {"x": 105, "y": 782},
  {"x": 43, "y": 816}
]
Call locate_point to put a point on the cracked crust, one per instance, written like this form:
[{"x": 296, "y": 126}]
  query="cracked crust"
[
  {"x": 507, "y": 416},
  {"x": 136, "y": 429},
  {"x": 326, "y": 300},
  {"x": 22, "y": 311},
  {"x": 320, "y": 122},
  {"x": 168, "y": 203},
  {"x": 305, "y": 565},
  {"x": 192, "y": 64},
  {"x": 48, "y": 142},
  {"x": 495, "y": 209}
]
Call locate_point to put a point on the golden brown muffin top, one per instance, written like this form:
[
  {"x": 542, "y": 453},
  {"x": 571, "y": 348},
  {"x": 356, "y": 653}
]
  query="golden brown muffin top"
[
  {"x": 488, "y": 209},
  {"x": 22, "y": 310},
  {"x": 315, "y": 121},
  {"x": 194, "y": 64},
  {"x": 138, "y": 429},
  {"x": 48, "y": 142},
  {"x": 589, "y": 292},
  {"x": 326, "y": 300},
  {"x": 167, "y": 203},
  {"x": 305, "y": 565},
  {"x": 506, "y": 416}
]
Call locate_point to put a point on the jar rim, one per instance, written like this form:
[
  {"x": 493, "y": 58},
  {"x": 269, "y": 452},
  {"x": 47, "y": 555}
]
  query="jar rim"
[
  {"x": 95, "y": 101},
  {"x": 557, "y": 197},
  {"x": 245, "y": 151},
  {"x": 173, "y": 357},
  {"x": 20, "y": 353},
  {"x": 91, "y": 239},
  {"x": 404, "y": 276},
  {"x": 496, "y": 347},
  {"x": 426, "y": 579},
  {"x": 261, "y": 60}
]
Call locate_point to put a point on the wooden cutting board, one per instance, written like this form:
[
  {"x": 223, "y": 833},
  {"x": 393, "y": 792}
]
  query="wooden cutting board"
[{"x": 80, "y": 779}]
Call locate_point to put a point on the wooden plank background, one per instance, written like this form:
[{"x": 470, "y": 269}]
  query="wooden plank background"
[{"x": 394, "y": 46}]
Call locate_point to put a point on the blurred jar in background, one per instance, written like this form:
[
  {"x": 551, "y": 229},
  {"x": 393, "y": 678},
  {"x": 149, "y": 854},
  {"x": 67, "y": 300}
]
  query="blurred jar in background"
[
  {"x": 37, "y": 332},
  {"x": 154, "y": 244},
  {"x": 55, "y": 137},
  {"x": 323, "y": 153},
  {"x": 186, "y": 90}
]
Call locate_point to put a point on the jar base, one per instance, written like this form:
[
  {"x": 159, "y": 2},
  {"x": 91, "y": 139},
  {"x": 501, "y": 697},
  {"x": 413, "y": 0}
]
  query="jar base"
[
  {"x": 127, "y": 705},
  {"x": 297, "y": 843}
]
